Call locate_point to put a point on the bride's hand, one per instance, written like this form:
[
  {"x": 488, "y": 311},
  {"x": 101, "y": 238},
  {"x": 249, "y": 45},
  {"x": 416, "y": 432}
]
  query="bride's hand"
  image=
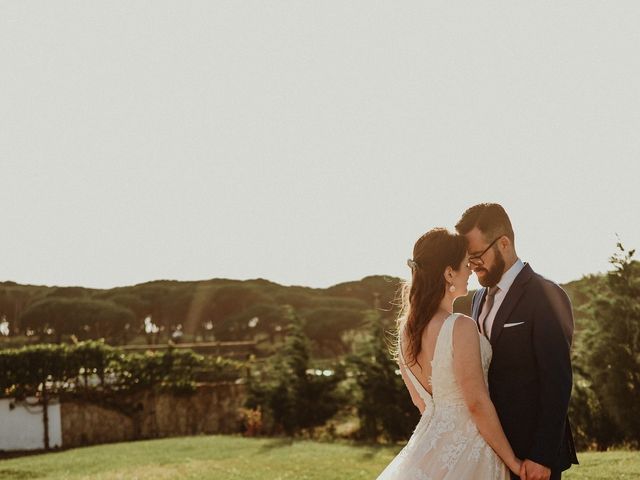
[{"x": 515, "y": 465}]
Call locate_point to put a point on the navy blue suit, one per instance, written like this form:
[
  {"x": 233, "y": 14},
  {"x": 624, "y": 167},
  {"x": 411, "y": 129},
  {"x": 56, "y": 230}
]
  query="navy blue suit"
[{"x": 530, "y": 376}]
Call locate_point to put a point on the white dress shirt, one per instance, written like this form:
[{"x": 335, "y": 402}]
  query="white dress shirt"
[{"x": 504, "y": 285}]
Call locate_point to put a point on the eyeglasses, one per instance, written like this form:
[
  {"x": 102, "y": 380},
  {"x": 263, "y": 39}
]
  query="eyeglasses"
[{"x": 476, "y": 260}]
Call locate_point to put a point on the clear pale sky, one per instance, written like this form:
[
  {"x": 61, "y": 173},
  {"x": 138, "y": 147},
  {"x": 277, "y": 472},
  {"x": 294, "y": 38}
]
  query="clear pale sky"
[{"x": 309, "y": 142}]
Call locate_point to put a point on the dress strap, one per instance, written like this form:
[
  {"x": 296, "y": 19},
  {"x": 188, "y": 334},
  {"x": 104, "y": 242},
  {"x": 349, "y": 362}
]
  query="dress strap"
[{"x": 444, "y": 342}]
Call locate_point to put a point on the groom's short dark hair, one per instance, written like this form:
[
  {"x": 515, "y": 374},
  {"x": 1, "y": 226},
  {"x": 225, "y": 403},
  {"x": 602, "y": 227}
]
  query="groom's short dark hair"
[{"x": 490, "y": 218}]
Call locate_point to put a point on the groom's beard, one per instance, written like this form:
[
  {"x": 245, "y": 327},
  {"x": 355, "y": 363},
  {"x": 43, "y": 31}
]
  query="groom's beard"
[{"x": 494, "y": 274}]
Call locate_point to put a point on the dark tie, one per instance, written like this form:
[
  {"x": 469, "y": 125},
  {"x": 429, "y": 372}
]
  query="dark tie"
[{"x": 491, "y": 293}]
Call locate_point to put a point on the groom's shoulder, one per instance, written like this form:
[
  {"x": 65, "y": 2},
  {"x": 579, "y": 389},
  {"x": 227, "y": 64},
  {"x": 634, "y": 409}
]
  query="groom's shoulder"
[
  {"x": 535, "y": 279},
  {"x": 543, "y": 282},
  {"x": 546, "y": 287}
]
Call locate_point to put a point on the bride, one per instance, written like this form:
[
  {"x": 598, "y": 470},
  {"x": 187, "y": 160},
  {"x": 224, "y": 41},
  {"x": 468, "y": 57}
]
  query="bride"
[{"x": 444, "y": 362}]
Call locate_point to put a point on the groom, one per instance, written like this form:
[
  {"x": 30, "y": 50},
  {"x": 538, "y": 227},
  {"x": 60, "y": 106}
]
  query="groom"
[{"x": 529, "y": 323}]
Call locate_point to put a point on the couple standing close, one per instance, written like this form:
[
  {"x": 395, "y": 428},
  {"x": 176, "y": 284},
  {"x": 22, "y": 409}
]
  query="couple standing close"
[{"x": 493, "y": 390}]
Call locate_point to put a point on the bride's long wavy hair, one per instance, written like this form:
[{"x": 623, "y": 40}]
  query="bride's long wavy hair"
[{"x": 432, "y": 254}]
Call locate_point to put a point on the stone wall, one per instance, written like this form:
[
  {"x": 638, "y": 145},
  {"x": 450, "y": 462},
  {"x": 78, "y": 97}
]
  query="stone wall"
[{"x": 211, "y": 409}]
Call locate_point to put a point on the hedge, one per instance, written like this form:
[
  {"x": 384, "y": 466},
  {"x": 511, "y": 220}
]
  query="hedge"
[{"x": 93, "y": 365}]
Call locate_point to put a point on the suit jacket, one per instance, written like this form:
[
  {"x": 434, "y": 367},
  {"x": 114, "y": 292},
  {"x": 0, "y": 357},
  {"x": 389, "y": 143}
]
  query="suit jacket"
[{"x": 530, "y": 375}]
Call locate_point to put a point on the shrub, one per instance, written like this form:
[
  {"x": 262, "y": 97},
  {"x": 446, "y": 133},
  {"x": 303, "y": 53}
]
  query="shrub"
[
  {"x": 384, "y": 405},
  {"x": 290, "y": 395},
  {"x": 92, "y": 365}
]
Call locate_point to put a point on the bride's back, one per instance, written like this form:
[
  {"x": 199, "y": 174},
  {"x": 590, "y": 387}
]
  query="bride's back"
[
  {"x": 422, "y": 370},
  {"x": 437, "y": 361}
]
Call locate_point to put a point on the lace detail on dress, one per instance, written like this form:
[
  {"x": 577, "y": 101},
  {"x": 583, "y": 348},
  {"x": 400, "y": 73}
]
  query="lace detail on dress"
[{"x": 446, "y": 443}]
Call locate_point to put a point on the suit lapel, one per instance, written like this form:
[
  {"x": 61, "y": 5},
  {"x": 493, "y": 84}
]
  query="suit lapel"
[{"x": 510, "y": 301}]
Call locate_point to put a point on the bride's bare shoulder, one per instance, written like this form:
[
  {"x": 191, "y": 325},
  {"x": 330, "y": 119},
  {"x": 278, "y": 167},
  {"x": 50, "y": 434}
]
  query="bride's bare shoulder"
[
  {"x": 462, "y": 318},
  {"x": 465, "y": 328}
]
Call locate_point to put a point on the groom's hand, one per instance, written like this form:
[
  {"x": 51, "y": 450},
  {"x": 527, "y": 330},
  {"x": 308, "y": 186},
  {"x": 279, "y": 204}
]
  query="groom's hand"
[{"x": 531, "y": 470}]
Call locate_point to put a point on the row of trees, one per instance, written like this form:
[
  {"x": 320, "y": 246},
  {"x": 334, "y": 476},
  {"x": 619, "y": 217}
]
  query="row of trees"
[{"x": 208, "y": 310}]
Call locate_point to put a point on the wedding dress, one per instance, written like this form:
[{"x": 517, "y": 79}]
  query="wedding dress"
[{"x": 446, "y": 443}]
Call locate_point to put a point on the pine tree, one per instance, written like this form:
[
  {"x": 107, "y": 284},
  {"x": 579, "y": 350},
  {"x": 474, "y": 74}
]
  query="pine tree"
[
  {"x": 295, "y": 398},
  {"x": 384, "y": 407}
]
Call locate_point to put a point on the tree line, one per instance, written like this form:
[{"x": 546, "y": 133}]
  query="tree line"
[
  {"x": 343, "y": 329},
  {"x": 220, "y": 310}
]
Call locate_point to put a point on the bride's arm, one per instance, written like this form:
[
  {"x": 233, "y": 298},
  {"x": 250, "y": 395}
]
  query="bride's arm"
[{"x": 467, "y": 365}]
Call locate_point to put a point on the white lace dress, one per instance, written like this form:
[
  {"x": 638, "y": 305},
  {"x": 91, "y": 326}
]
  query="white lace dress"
[{"x": 446, "y": 443}]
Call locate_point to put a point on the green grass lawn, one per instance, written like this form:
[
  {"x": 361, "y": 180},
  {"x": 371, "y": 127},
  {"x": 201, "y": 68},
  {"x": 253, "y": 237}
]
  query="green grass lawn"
[{"x": 229, "y": 457}]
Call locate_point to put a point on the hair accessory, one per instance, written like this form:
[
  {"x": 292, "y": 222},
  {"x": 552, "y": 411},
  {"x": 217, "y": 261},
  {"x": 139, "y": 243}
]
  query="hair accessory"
[{"x": 412, "y": 264}]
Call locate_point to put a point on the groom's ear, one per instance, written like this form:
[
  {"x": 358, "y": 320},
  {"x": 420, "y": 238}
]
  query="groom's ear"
[{"x": 504, "y": 242}]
